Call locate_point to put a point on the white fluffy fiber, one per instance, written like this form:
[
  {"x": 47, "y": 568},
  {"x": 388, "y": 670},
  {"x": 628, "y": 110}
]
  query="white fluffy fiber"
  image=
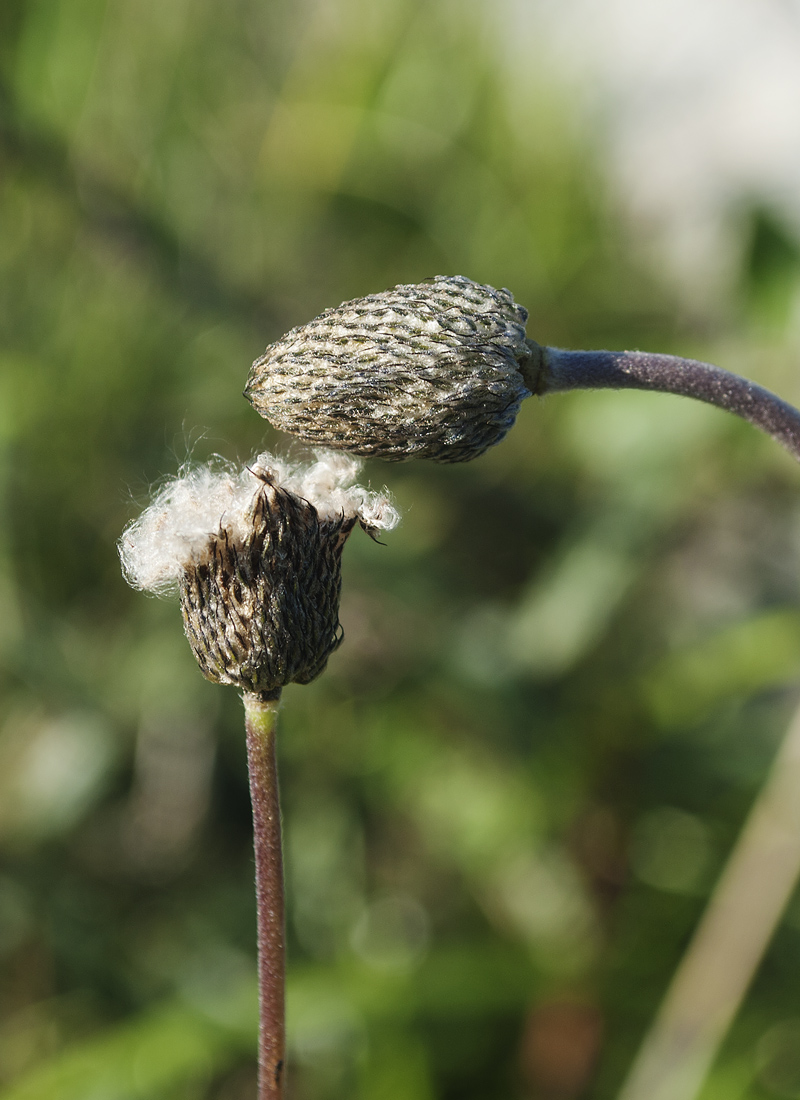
[{"x": 202, "y": 500}]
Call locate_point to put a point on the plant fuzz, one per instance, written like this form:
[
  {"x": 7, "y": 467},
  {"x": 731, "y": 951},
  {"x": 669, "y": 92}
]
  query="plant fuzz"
[{"x": 256, "y": 558}]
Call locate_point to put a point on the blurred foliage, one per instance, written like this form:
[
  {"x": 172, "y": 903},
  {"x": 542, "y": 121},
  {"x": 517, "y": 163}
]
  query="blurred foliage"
[{"x": 563, "y": 678}]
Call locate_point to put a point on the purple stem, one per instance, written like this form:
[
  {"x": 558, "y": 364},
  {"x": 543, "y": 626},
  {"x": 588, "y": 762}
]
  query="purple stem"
[
  {"x": 639, "y": 370},
  {"x": 260, "y": 720}
]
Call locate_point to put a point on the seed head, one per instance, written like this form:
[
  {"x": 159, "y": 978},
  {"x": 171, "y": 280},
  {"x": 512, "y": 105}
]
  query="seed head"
[
  {"x": 256, "y": 558},
  {"x": 430, "y": 370}
]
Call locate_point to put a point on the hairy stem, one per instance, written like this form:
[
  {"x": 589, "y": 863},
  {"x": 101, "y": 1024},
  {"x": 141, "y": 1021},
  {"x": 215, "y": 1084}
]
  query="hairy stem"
[
  {"x": 639, "y": 370},
  {"x": 260, "y": 722}
]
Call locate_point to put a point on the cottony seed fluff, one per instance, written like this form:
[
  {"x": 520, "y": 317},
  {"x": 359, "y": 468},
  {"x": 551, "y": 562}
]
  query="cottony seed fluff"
[
  {"x": 430, "y": 370},
  {"x": 256, "y": 558}
]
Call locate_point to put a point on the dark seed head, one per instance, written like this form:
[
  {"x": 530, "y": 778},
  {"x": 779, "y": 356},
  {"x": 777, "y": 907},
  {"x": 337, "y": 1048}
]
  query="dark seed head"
[
  {"x": 256, "y": 557},
  {"x": 431, "y": 370},
  {"x": 262, "y": 611}
]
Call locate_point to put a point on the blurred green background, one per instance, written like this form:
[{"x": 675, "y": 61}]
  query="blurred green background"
[{"x": 564, "y": 676}]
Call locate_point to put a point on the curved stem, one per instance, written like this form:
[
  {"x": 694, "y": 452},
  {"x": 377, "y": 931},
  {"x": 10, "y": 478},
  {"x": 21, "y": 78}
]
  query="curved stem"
[
  {"x": 639, "y": 370},
  {"x": 260, "y": 721}
]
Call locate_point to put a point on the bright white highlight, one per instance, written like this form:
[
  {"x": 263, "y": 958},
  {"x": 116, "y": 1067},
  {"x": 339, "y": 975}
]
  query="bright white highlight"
[
  {"x": 204, "y": 500},
  {"x": 693, "y": 104}
]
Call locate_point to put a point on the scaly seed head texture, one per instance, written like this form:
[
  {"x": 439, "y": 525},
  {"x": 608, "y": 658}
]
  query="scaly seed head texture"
[
  {"x": 263, "y": 611},
  {"x": 429, "y": 370}
]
